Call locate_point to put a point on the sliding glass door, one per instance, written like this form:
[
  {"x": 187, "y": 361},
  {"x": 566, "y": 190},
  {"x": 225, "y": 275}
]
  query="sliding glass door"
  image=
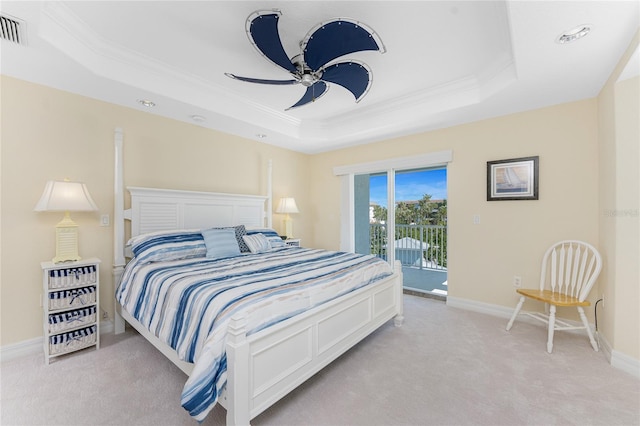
[{"x": 401, "y": 214}]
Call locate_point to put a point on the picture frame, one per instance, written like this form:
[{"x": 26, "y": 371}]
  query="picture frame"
[{"x": 512, "y": 179}]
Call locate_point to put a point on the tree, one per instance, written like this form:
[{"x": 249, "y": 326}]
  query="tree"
[
  {"x": 379, "y": 214},
  {"x": 441, "y": 214},
  {"x": 419, "y": 212}
]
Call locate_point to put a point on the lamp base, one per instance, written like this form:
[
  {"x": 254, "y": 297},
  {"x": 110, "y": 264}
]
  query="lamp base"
[
  {"x": 288, "y": 226},
  {"x": 66, "y": 241}
]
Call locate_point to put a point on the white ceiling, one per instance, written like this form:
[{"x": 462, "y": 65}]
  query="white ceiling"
[{"x": 446, "y": 62}]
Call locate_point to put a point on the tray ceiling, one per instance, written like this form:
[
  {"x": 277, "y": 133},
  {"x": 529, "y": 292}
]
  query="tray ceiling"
[{"x": 446, "y": 62}]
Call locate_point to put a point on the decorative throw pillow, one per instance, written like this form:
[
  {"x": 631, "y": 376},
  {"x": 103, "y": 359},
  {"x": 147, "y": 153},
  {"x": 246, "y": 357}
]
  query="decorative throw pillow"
[
  {"x": 276, "y": 242},
  {"x": 168, "y": 245},
  {"x": 267, "y": 232},
  {"x": 272, "y": 236},
  {"x": 240, "y": 231},
  {"x": 257, "y": 243},
  {"x": 221, "y": 242}
]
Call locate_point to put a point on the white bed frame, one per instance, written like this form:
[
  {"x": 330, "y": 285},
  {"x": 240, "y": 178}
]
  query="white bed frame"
[{"x": 265, "y": 366}]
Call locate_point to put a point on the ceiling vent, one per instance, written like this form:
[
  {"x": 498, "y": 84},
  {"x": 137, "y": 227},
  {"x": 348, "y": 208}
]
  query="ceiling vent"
[{"x": 12, "y": 29}]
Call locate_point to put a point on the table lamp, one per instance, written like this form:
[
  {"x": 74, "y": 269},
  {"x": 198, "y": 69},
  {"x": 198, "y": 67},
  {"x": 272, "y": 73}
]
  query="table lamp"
[
  {"x": 65, "y": 196},
  {"x": 287, "y": 205}
]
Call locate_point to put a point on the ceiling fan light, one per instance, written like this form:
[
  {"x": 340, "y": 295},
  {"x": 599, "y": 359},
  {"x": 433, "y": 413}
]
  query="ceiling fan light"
[
  {"x": 307, "y": 80},
  {"x": 574, "y": 34}
]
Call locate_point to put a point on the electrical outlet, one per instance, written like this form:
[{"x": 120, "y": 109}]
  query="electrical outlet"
[
  {"x": 517, "y": 281},
  {"x": 105, "y": 315}
]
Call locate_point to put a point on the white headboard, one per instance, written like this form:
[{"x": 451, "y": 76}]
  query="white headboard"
[
  {"x": 155, "y": 209},
  {"x": 165, "y": 209}
]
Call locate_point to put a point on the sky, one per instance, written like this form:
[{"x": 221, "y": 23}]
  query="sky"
[{"x": 410, "y": 186}]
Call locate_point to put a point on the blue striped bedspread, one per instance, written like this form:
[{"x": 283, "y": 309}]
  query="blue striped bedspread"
[{"x": 188, "y": 303}]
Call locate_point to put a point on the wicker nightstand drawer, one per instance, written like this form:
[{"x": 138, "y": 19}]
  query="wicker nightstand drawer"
[
  {"x": 65, "y": 299},
  {"x": 72, "y": 277},
  {"x": 73, "y": 340},
  {"x": 72, "y": 319}
]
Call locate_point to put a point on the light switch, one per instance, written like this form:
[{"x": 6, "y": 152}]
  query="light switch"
[
  {"x": 104, "y": 220},
  {"x": 476, "y": 219}
]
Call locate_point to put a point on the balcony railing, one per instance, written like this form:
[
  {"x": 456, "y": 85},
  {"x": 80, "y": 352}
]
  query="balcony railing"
[{"x": 421, "y": 246}]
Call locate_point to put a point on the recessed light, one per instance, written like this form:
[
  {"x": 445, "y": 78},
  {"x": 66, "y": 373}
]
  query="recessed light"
[
  {"x": 147, "y": 103},
  {"x": 574, "y": 34},
  {"x": 198, "y": 118},
  {"x": 261, "y": 135}
]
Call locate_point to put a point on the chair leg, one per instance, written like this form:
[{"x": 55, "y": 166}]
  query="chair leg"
[
  {"x": 552, "y": 325},
  {"x": 515, "y": 313},
  {"x": 586, "y": 326}
]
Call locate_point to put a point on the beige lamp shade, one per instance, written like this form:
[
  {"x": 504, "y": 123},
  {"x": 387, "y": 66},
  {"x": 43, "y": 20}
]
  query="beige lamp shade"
[
  {"x": 65, "y": 196},
  {"x": 287, "y": 205}
]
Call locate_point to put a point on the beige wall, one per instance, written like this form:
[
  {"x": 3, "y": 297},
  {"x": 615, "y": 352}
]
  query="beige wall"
[
  {"x": 50, "y": 134},
  {"x": 619, "y": 188},
  {"x": 47, "y": 134},
  {"x": 512, "y": 235}
]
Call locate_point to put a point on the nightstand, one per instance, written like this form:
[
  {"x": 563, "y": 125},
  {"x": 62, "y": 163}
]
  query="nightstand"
[
  {"x": 70, "y": 303},
  {"x": 293, "y": 242}
]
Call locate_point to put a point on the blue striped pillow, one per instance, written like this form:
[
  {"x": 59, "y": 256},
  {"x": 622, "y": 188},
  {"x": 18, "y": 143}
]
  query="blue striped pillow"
[
  {"x": 240, "y": 231},
  {"x": 267, "y": 232},
  {"x": 271, "y": 235},
  {"x": 168, "y": 245},
  {"x": 221, "y": 242}
]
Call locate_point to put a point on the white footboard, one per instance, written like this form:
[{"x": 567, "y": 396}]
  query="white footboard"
[{"x": 264, "y": 367}]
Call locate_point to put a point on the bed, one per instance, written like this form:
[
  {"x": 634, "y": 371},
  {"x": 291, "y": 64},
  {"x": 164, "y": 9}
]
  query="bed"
[{"x": 307, "y": 307}]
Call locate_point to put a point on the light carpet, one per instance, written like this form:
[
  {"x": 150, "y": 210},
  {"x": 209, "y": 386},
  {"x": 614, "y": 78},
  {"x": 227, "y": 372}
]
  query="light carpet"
[{"x": 444, "y": 366}]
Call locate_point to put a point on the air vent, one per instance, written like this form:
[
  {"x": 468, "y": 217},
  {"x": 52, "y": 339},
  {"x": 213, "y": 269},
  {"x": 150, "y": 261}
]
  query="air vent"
[{"x": 12, "y": 29}]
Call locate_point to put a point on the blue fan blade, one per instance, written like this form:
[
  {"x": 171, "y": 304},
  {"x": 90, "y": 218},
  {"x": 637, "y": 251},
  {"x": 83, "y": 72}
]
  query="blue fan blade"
[
  {"x": 313, "y": 92},
  {"x": 261, "y": 81},
  {"x": 264, "y": 35},
  {"x": 353, "y": 76},
  {"x": 335, "y": 39}
]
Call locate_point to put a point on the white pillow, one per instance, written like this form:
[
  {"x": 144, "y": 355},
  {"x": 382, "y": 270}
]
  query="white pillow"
[{"x": 257, "y": 243}]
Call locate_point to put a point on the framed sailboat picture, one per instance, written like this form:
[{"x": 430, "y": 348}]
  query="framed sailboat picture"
[{"x": 513, "y": 179}]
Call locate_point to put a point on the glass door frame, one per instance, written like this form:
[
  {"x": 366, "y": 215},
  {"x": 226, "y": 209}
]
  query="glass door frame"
[{"x": 347, "y": 193}]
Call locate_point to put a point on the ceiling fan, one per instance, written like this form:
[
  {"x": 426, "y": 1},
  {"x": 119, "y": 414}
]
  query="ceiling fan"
[{"x": 313, "y": 67}]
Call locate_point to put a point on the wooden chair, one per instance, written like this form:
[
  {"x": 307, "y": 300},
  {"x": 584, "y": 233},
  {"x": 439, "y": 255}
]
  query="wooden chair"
[{"x": 569, "y": 270}]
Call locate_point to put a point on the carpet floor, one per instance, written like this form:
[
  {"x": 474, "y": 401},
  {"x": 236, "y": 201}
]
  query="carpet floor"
[{"x": 444, "y": 366}]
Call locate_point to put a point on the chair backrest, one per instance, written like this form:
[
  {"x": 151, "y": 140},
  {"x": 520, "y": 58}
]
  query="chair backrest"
[{"x": 570, "y": 267}]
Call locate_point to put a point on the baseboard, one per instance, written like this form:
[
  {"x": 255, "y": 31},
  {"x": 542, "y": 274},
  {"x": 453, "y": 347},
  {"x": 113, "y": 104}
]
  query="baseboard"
[
  {"x": 604, "y": 345},
  {"x": 625, "y": 363},
  {"x": 34, "y": 346},
  {"x": 481, "y": 307},
  {"x": 21, "y": 349},
  {"x": 617, "y": 359},
  {"x": 106, "y": 327}
]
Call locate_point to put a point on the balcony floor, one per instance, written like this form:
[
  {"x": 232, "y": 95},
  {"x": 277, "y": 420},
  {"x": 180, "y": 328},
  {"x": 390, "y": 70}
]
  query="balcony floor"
[{"x": 425, "y": 280}]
